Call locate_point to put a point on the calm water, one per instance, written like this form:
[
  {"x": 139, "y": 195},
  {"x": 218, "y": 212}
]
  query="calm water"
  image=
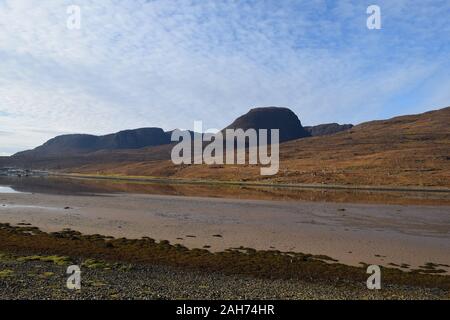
[{"x": 77, "y": 186}]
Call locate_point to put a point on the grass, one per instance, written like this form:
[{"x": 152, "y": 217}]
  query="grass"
[{"x": 97, "y": 251}]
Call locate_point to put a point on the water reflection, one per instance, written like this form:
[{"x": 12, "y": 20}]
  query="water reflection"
[{"x": 78, "y": 186}]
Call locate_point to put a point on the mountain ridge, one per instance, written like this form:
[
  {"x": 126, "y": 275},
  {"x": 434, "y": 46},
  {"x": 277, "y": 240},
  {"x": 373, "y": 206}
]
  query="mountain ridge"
[
  {"x": 408, "y": 150},
  {"x": 327, "y": 129},
  {"x": 257, "y": 118}
]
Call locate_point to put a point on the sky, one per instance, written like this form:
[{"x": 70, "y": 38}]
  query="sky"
[{"x": 167, "y": 63}]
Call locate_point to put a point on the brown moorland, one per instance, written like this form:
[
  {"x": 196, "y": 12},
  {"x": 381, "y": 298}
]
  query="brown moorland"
[
  {"x": 409, "y": 150},
  {"x": 412, "y": 150}
]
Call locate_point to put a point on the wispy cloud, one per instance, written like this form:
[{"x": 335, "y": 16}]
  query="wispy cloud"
[{"x": 166, "y": 63}]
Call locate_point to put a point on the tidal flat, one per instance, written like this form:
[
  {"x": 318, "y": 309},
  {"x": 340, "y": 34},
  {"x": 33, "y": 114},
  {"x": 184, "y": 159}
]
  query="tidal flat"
[
  {"x": 33, "y": 266},
  {"x": 289, "y": 242}
]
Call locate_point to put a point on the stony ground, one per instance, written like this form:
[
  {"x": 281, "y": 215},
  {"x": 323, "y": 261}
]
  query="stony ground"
[{"x": 39, "y": 277}]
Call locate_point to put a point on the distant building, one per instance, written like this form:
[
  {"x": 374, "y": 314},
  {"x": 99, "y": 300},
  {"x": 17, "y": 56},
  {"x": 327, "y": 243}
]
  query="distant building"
[{"x": 15, "y": 172}]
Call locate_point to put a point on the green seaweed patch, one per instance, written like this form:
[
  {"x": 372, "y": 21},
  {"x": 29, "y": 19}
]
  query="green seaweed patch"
[
  {"x": 5, "y": 257},
  {"x": 6, "y": 273},
  {"x": 125, "y": 267},
  {"x": 272, "y": 264},
  {"x": 58, "y": 260},
  {"x": 46, "y": 275},
  {"x": 95, "y": 264}
]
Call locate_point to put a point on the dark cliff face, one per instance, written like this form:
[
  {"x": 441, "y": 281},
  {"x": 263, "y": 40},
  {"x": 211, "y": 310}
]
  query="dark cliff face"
[
  {"x": 258, "y": 118},
  {"x": 272, "y": 118},
  {"x": 327, "y": 128},
  {"x": 72, "y": 144},
  {"x": 135, "y": 139},
  {"x": 84, "y": 143}
]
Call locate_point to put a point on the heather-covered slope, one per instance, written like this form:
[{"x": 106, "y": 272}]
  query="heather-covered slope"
[
  {"x": 327, "y": 128},
  {"x": 410, "y": 150}
]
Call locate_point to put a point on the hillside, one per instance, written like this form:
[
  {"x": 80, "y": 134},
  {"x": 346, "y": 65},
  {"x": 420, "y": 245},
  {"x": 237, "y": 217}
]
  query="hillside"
[
  {"x": 405, "y": 151},
  {"x": 4, "y": 161},
  {"x": 326, "y": 129},
  {"x": 74, "y": 150},
  {"x": 409, "y": 150}
]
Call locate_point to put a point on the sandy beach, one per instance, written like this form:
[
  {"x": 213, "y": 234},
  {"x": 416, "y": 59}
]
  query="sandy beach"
[{"x": 351, "y": 233}]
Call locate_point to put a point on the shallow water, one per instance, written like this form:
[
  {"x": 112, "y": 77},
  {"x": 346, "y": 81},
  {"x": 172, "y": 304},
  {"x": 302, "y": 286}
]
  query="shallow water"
[{"x": 103, "y": 187}]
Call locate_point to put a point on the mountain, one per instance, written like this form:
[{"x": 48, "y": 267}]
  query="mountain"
[
  {"x": 76, "y": 144},
  {"x": 272, "y": 118},
  {"x": 326, "y": 129},
  {"x": 3, "y": 161},
  {"x": 85, "y": 143},
  {"x": 410, "y": 150}
]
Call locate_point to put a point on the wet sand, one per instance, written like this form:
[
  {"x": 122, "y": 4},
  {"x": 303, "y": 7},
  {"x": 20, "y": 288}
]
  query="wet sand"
[{"x": 351, "y": 233}]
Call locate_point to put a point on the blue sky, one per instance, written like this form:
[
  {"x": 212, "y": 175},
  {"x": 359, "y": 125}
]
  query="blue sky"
[{"x": 167, "y": 63}]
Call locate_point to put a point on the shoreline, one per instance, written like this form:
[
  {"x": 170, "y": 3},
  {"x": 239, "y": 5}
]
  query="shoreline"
[
  {"x": 251, "y": 183},
  {"x": 29, "y": 244},
  {"x": 351, "y": 233},
  {"x": 44, "y": 277}
]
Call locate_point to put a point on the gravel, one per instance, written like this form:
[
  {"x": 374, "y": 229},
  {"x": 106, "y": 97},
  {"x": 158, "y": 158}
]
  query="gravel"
[{"x": 46, "y": 280}]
